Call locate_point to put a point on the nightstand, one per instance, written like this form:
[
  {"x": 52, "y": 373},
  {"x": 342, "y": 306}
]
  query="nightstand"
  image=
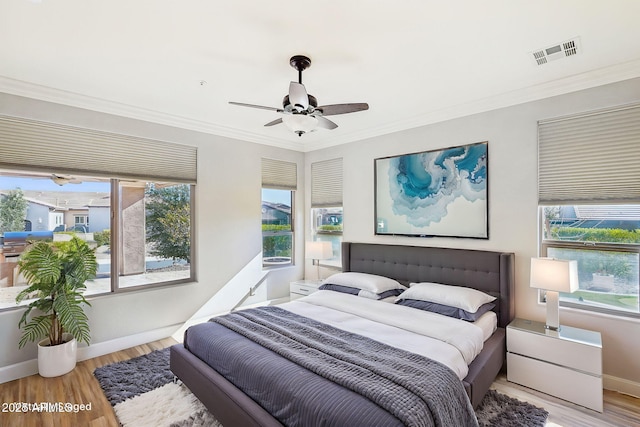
[
  {"x": 302, "y": 288},
  {"x": 566, "y": 363}
]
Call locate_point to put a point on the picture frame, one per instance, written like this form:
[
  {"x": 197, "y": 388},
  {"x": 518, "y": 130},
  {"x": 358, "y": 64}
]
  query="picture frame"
[{"x": 435, "y": 193}]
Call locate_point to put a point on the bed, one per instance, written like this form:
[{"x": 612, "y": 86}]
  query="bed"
[{"x": 487, "y": 271}]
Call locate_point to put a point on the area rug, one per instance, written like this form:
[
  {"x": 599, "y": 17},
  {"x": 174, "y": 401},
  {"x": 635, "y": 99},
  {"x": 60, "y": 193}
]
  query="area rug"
[{"x": 144, "y": 392}]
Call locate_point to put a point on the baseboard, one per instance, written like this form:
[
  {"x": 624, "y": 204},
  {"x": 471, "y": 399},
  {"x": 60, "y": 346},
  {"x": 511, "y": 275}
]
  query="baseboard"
[
  {"x": 30, "y": 367},
  {"x": 621, "y": 385},
  {"x": 18, "y": 370}
]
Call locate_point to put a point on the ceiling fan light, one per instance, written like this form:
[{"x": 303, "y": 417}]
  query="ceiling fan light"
[{"x": 300, "y": 123}]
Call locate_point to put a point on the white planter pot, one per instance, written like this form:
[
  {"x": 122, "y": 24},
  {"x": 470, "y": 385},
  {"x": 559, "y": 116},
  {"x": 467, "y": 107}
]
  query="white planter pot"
[{"x": 57, "y": 360}]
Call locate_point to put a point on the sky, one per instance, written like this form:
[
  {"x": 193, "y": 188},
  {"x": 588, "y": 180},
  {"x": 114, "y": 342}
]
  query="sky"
[
  {"x": 276, "y": 196},
  {"x": 13, "y": 183},
  {"x": 43, "y": 184}
]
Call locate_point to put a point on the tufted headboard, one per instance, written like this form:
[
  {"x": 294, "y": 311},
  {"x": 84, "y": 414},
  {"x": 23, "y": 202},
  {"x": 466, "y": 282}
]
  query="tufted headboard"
[{"x": 490, "y": 272}]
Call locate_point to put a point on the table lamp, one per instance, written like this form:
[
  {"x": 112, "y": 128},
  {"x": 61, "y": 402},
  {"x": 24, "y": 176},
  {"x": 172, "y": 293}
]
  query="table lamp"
[
  {"x": 318, "y": 250},
  {"x": 554, "y": 276}
]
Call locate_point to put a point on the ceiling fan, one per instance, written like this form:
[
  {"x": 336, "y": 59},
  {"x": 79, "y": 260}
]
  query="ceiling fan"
[
  {"x": 64, "y": 179},
  {"x": 300, "y": 110}
]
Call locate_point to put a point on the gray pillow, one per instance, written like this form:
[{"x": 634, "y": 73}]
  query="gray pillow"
[
  {"x": 361, "y": 292},
  {"x": 447, "y": 310}
]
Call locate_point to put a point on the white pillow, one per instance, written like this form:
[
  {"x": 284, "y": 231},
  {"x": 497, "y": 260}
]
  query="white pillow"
[
  {"x": 455, "y": 296},
  {"x": 367, "y": 282}
]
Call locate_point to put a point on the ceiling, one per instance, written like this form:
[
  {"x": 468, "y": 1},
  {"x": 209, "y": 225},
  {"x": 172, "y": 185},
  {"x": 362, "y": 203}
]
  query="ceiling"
[{"x": 414, "y": 62}]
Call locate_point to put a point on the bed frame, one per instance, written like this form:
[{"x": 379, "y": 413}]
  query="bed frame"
[{"x": 490, "y": 272}]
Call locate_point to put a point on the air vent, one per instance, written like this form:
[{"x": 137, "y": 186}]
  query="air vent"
[{"x": 562, "y": 50}]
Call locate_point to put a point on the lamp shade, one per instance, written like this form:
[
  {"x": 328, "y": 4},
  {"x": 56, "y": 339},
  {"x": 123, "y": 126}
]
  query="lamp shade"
[
  {"x": 318, "y": 250},
  {"x": 554, "y": 274}
]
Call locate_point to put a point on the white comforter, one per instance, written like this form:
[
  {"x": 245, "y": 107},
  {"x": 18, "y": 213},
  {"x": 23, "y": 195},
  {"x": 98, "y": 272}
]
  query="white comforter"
[{"x": 450, "y": 341}]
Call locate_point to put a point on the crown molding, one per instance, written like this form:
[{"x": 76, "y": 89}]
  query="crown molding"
[
  {"x": 44, "y": 93},
  {"x": 562, "y": 86},
  {"x": 574, "y": 83}
]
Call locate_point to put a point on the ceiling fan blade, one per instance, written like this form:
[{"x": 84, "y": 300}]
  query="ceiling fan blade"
[
  {"x": 241, "y": 104},
  {"x": 325, "y": 123},
  {"x": 298, "y": 95},
  {"x": 335, "y": 109},
  {"x": 65, "y": 179},
  {"x": 275, "y": 122}
]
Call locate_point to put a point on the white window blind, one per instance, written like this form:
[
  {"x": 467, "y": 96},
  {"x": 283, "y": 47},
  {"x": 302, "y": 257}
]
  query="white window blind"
[
  {"x": 590, "y": 158},
  {"x": 40, "y": 146},
  {"x": 279, "y": 175},
  {"x": 326, "y": 183}
]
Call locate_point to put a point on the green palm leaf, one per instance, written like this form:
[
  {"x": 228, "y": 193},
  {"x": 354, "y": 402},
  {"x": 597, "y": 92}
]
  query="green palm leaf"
[
  {"x": 56, "y": 273},
  {"x": 72, "y": 317},
  {"x": 37, "y": 328}
]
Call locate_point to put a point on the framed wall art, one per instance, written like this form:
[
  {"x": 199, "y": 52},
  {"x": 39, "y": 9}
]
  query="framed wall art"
[{"x": 434, "y": 193}]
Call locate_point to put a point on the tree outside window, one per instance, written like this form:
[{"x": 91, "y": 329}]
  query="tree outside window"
[{"x": 13, "y": 211}]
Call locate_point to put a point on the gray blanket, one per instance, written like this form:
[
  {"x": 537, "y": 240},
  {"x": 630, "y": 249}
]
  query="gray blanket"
[{"x": 416, "y": 390}]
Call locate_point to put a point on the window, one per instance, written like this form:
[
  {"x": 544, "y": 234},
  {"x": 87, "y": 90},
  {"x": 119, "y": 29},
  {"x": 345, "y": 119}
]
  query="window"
[
  {"x": 111, "y": 200},
  {"x": 277, "y": 228},
  {"x": 154, "y": 233},
  {"x": 327, "y": 226},
  {"x": 154, "y": 219},
  {"x": 588, "y": 193},
  {"x": 605, "y": 241},
  {"x": 279, "y": 182},
  {"x": 326, "y": 207}
]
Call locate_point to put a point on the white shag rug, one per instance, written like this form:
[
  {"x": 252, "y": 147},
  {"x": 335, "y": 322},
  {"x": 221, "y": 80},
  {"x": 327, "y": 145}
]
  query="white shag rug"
[
  {"x": 144, "y": 392},
  {"x": 170, "y": 405}
]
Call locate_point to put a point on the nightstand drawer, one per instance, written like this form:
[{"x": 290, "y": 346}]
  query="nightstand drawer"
[
  {"x": 565, "y": 383},
  {"x": 556, "y": 351},
  {"x": 302, "y": 288}
]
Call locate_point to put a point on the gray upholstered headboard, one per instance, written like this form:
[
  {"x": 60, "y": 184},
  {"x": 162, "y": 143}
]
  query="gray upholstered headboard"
[{"x": 490, "y": 272}]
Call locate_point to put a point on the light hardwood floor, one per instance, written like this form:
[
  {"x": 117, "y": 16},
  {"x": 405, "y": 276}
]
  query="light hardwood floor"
[{"x": 80, "y": 386}]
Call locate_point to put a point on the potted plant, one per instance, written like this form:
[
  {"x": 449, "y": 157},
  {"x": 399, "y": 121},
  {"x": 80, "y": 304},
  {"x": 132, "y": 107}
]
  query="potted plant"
[{"x": 56, "y": 273}]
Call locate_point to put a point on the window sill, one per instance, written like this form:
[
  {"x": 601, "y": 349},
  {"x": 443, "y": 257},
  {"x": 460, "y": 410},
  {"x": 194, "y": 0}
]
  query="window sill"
[{"x": 593, "y": 313}]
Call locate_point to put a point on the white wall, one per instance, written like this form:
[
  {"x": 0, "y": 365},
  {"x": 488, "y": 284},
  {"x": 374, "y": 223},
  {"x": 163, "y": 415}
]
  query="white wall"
[
  {"x": 512, "y": 136},
  {"x": 228, "y": 212},
  {"x": 228, "y": 226}
]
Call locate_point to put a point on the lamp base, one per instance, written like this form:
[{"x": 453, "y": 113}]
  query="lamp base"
[{"x": 553, "y": 311}]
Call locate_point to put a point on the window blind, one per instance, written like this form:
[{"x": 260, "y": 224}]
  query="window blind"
[
  {"x": 326, "y": 183},
  {"x": 40, "y": 146},
  {"x": 590, "y": 158},
  {"x": 279, "y": 174}
]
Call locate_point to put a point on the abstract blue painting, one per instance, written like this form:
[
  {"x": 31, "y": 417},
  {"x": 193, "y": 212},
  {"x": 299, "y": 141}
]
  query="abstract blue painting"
[{"x": 434, "y": 193}]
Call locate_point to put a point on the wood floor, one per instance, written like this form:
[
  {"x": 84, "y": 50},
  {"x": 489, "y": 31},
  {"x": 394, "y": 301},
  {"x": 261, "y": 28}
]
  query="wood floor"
[{"x": 81, "y": 387}]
